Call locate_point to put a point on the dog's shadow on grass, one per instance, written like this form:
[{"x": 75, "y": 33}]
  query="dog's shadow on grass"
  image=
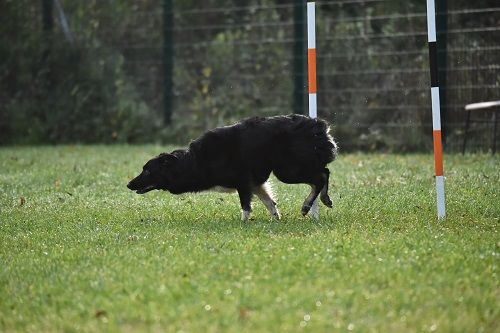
[{"x": 257, "y": 225}]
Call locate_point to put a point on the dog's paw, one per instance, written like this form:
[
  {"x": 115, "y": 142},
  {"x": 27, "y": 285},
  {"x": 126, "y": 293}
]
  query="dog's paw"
[
  {"x": 305, "y": 210},
  {"x": 325, "y": 199},
  {"x": 245, "y": 215},
  {"x": 327, "y": 202}
]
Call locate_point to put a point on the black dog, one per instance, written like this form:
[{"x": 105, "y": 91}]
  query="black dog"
[{"x": 242, "y": 156}]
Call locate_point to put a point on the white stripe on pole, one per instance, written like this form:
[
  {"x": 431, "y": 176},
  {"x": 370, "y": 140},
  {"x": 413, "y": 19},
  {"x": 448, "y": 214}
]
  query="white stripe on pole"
[
  {"x": 311, "y": 24},
  {"x": 311, "y": 44},
  {"x": 313, "y": 113},
  {"x": 436, "y": 109},
  {"x": 440, "y": 196},
  {"x": 431, "y": 21}
]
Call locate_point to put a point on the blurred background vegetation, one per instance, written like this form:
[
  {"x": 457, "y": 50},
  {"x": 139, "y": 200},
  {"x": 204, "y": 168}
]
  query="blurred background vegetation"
[{"x": 165, "y": 70}]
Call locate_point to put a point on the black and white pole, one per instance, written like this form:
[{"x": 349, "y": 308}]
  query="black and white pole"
[
  {"x": 311, "y": 74},
  {"x": 436, "y": 110}
]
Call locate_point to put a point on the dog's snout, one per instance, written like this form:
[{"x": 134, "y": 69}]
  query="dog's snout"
[{"x": 129, "y": 186}]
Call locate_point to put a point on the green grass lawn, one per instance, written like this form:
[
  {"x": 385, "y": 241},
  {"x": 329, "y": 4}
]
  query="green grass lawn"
[{"x": 79, "y": 252}]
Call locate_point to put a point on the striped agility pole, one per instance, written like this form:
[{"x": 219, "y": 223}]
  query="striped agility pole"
[
  {"x": 311, "y": 74},
  {"x": 436, "y": 110}
]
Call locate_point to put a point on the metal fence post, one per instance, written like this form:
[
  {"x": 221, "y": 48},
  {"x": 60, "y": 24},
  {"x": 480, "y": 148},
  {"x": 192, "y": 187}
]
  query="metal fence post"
[
  {"x": 299, "y": 62},
  {"x": 47, "y": 16},
  {"x": 168, "y": 59},
  {"x": 47, "y": 27}
]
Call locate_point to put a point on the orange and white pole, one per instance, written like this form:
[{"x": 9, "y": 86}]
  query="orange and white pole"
[
  {"x": 311, "y": 74},
  {"x": 436, "y": 110}
]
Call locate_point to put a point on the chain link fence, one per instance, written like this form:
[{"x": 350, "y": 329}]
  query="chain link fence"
[{"x": 232, "y": 59}]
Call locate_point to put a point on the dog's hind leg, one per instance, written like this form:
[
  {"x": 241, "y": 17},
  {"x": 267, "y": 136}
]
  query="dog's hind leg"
[
  {"x": 264, "y": 193},
  {"x": 317, "y": 184},
  {"x": 245, "y": 202},
  {"x": 316, "y": 178},
  {"x": 325, "y": 199}
]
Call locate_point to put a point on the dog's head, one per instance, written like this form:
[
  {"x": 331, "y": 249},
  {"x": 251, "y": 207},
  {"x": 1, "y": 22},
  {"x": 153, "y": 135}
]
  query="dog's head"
[{"x": 155, "y": 174}]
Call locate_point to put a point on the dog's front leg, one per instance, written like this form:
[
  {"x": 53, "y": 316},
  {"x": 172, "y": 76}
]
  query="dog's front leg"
[{"x": 246, "y": 202}]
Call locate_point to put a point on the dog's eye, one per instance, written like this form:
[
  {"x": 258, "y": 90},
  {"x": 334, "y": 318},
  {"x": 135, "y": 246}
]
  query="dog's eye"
[{"x": 146, "y": 172}]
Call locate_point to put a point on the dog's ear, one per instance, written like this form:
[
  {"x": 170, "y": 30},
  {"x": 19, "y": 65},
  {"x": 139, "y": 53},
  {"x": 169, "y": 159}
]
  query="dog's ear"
[{"x": 167, "y": 159}]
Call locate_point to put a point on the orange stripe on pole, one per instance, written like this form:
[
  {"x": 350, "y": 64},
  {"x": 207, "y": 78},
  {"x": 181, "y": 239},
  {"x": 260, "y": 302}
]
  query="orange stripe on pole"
[
  {"x": 311, "y": 67},
  {"x": 438, "y": 153}
]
